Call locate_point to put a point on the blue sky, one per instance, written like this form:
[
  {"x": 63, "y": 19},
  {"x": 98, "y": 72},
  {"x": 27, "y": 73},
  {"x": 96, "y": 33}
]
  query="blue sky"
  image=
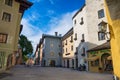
[{"x": 49, "y": 16}]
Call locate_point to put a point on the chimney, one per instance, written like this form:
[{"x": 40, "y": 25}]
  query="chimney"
[
  {"x": 60, "y": 35},
  {"x": 56, "y": 33}
]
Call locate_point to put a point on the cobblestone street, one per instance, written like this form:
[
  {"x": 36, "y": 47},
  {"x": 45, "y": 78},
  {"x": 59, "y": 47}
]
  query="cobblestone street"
[{"x": 50, "y": 73}]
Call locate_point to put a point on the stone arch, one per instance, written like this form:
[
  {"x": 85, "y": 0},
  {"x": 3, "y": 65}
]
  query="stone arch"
[{"x": 104, "y": 60}]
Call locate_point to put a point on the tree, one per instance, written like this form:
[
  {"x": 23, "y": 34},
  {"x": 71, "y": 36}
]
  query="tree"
[{"x": 26, "y": 46}]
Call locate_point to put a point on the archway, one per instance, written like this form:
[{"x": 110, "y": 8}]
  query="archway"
[
  {"x": 104, "y": 61},
  {"x": 52, "y": 63}
]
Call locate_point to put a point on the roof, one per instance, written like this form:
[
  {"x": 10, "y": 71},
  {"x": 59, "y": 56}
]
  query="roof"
[
  {"x": 52, "y": 36},
  {"x": 79, "y": 10},
  {"x": 69, "y": 33},
  {"x": 24, "y": 4},
  {"x": 101, "y": 47}
]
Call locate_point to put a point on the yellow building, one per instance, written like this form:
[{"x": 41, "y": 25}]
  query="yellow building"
[
  {"x": 11, "y": 12},
  {"x": 99, "y": 58},
  {"x": 68, "y": 54}
]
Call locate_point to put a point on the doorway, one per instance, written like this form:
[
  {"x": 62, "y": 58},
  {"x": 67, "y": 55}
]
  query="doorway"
[
  {"x": 67, "y": 63},
  {"x": 52, "y": 63}
]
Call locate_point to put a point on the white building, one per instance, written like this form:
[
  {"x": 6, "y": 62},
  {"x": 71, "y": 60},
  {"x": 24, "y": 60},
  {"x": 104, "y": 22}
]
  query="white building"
[
  {"x": 86, "y": 30},
  {"x": 52, "y": 50}
]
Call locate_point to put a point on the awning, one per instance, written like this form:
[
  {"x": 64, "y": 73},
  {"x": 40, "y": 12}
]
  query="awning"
[
  {"x": 92, "y": 58},
  {"x": 109, "y": 58}
]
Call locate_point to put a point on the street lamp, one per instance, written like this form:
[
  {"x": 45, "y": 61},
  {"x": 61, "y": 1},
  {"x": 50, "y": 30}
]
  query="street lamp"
[{"x": 103, "y": 28}]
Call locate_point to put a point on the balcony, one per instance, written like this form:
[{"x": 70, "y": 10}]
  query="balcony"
[
  {"x": 71, "y": 41},
  {"x": 82, "y": 40},
  {"x": 65, "y": 43},
  {"x": 67, "y": 54},
  {"x": 75, "y": 39}
]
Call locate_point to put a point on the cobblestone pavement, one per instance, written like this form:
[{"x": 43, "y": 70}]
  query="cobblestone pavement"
[{"x": 50, "y": 73}]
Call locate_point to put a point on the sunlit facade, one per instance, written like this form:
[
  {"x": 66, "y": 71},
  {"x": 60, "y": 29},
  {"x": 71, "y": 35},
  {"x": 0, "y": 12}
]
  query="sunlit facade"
[{"x": 11, "y": 12}]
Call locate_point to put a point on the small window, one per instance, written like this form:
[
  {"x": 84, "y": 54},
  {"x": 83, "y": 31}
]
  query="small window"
[
  {"x": 82, "y": 22},
  {"x": 75, "y": 36},
  {"x": 75, "y": 21},
  {"x": 3, "y": 38},
  {"x": 6, "y": 17},
  {"x": 66, "y": 42},
  {"x": 101, "y": 13},
  {"x": 101, "y": 36},
  {"x": 66, "y": 50},
  {"x": 71, "y": 48},
  {"x": 9, "y": 2},
  {"x": 83, "y": 36},
  {"x": 71, "y": 39}
]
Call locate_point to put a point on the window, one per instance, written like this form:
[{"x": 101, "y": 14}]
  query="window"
[
  {"x": 101, "y": 13},
  {"x": 2, "y": 56},
  {"x": 83, "y": 38},
  {"x": 9, "y": 2},
  {"x": 71, "y": 39},
  {"x": 95, "y": 63},
  {"x": 83, "y": 52},
  {"x": 66, "y": 42},
  {"x": 71, "y": 48},
  {"x": 101, "y": 36},
  {"x": 3, "y": 38},
  {"x": 6, "y": 17},
  {"x": 74, "y": 21},
  {"x": 72, "y": 62},
  {"x": 66, "y": 50},
  {"x": 82, "y": 22},
  {"x": 75, "y": 36}
]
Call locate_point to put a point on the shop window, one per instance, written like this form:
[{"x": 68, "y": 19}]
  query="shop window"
[
  {"x": 9, "y": 2},
  {"x": 95, "y": 63},
  {"x": 6, "y": 17},
  {"x": 3, "y": 38}
]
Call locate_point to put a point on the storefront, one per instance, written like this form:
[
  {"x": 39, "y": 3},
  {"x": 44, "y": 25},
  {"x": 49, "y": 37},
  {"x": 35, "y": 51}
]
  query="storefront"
[{"x": 99, "y": 59}]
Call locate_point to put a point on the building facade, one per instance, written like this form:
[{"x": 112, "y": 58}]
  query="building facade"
[
  {"x": 100, "y": 59},
  {"x": 87, "y": 30},
  {"x": 51, "y": 50},
  {"x": 67, "y": 51},
  {"x": 11, "y": 12}
]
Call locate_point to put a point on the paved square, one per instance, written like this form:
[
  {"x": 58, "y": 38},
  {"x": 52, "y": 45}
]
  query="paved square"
[{"x": 51, "y": 73}]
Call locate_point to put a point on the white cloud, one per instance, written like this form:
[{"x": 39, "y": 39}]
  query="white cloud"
[
  {"x": 32, "y": 32},
  {"x": 59, "y": 24}
]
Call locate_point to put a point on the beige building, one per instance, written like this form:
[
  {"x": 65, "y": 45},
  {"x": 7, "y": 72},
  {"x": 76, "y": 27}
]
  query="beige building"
[
  {"x": 68, "y": 54},
  {"x": 11, "y": 12}
]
